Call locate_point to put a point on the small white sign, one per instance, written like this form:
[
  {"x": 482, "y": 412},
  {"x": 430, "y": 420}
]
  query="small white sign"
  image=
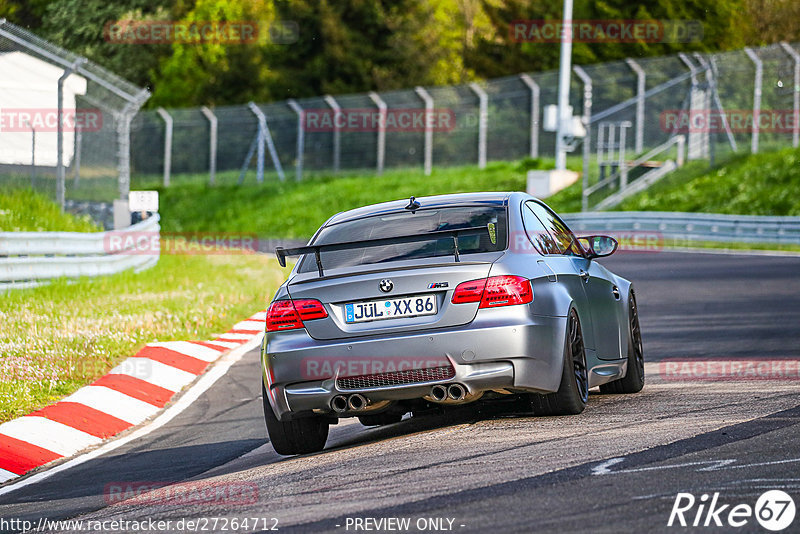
[{"x": 143, "y": 201}]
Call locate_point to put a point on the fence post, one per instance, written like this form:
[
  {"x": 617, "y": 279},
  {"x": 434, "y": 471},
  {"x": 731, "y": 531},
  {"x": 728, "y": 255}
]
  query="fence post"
[
  {"x": 697, "y": 142},
  {"x": 212, "y": 144},
  {"x": 337, "y": 137},
  {"x": 535, "y": 92},
  {"x": 264, "y": 136},
  {"x": 483, "y": 120},
  {"x": 301, "y": 139},
  {"x": 167, "y": 118},
  {"x": 60, "y": 186},
  {"x": 428, "y": 100},
  {"x": 77, "y": 157},
  {"x": 640, "y": 102},
  {"x": 756, "y": 96},
  {"x": 796, "y": 93},
  {"x": 587, "y": 123},
  {"x": 33, "y": 154},
  {"x": 381, "y": 129}
]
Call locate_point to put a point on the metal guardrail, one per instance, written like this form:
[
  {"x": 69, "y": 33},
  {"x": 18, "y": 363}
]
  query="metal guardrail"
[
  {"x": 28, "y": 259},
  {"x": 691, "y": 227}
]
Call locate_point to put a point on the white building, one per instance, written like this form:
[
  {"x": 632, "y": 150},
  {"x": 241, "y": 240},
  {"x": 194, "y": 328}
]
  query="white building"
[{"x": 29, "y": 97}]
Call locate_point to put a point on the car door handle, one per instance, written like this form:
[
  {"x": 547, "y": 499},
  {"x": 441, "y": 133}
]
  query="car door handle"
[
  {"x": 584, "y": 275},
  {"x": 615, "y": 291}
]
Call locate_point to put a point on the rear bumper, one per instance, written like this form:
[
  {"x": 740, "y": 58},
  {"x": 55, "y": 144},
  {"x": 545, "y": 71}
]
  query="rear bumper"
[{"x": 501, "y": 349}]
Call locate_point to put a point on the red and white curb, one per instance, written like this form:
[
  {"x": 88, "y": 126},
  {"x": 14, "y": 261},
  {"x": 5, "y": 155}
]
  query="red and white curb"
[{"x": 129, "y": 394}]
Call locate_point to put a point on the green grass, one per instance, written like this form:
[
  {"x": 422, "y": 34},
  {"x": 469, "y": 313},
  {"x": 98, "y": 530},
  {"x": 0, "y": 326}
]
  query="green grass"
[
  {"x": 292, "y": 209},
  {"x": 761, "y": 184},
  {"x": 23, "y": 210},
  {"x": 62, "y": 336}
]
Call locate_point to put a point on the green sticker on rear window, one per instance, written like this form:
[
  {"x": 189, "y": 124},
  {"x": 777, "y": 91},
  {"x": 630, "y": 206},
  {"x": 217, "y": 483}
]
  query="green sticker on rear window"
[{"x": 492, "y": 233}]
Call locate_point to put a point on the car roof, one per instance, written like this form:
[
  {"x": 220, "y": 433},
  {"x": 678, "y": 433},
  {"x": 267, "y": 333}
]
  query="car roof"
[{"x": 438, "y": 201}]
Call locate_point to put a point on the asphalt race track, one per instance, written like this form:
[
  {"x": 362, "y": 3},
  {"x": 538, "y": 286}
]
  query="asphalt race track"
[{"x": 617, "y": 467}]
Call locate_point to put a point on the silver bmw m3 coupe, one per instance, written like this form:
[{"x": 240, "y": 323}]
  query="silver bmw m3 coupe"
[{"x": 446, "y": 300}]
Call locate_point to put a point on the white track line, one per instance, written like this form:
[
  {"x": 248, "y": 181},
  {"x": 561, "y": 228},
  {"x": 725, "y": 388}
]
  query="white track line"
[
  {"x": 206, "y": 381},
  {"x": 47, "y": 434},
  {"x": 194, "y": 350},
  {"x": 260, "y": 316},
  {"x": 157, "y": 373},
  {"x": 113, "y": 403}
]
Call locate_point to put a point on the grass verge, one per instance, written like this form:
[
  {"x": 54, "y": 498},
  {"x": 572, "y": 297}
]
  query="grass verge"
[
  {"x": 24, "y": 210},
  {"x": 62, "y": 336}
]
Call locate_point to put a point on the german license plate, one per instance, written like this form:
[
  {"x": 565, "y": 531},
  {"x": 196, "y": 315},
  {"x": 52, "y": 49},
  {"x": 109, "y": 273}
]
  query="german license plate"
[{"x": 376, "y": 310}]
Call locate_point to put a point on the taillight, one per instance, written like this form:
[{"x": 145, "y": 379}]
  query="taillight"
[
  {"x": 495, "y": 291},
  {"x": 290, "y": 314},
  {"x": 469, "y": 291}
]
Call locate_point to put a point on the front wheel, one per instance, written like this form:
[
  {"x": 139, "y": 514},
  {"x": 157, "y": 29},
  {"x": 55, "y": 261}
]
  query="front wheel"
[
  {"x": 573, "y": 392},
  {"x": 297, "y": 436},
  {"x": 633, "y": 382}
]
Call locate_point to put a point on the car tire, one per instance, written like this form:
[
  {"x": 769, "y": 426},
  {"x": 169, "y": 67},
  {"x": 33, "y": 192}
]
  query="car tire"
[
  {"x": 633, "y": 381},
  {"x": 573, "y": 392},
  {"x": 380, "y": 419},
  {"x": 301, "y": 435}
]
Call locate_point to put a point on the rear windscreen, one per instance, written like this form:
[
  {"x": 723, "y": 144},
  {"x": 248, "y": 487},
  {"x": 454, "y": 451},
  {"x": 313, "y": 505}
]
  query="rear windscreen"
[{"x": 407, "y": 223}]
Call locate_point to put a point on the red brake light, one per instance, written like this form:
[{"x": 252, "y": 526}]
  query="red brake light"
[
  {"x": 506, "y": 291},
  {"x": 288, "y": 314},
  {"x": 495, "y": 291},
  {"x": 469, "y": 291}
]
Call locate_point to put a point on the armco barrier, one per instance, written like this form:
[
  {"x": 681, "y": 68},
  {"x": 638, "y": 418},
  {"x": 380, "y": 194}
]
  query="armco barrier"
[
  {"x": 692, "y": 227},
  {"x": 31, "y": 258}
]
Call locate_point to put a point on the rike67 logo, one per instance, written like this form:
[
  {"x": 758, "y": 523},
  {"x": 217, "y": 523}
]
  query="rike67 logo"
[{"x": 774, "y": 510}]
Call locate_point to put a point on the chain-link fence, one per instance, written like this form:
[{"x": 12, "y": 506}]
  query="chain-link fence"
[
  {"x": 64, "y": 121},
  {"x": 643, "y": 117}
]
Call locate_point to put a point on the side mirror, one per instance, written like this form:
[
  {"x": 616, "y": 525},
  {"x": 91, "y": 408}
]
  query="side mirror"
[{"x": 598, "y": 246}]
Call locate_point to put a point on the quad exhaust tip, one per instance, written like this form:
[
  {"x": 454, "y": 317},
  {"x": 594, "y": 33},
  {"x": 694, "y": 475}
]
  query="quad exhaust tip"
[
  {"x": 356, "y": 402},
  {"x": 339, "y": 404},
  {"x": 439, "y": 392},
  {"x": 445, "y": 392},
  {"x": 456, "y": 392}
]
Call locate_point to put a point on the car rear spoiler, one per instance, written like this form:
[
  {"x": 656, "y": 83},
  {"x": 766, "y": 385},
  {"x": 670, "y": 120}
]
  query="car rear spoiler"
[{"x": 281, "y": 252}]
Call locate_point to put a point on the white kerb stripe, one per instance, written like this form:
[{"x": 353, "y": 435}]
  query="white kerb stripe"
[
  {"x": 260, "y": 316},
  {"x": 48, "y": 434},
  {"x": 227, "y": 344},
  {"x": 234, "y": 337},
  {"x": 113, "y": 403},
  {"x": 250, "y": 325},
  {"x": 5, "y": 476},
  {"x": 200, "y": 352},
  {"x": 157, "y": 373}
]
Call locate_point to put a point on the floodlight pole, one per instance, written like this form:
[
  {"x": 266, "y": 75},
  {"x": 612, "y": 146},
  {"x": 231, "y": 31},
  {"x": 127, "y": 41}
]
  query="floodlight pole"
[{"x": 564, "y": 68}]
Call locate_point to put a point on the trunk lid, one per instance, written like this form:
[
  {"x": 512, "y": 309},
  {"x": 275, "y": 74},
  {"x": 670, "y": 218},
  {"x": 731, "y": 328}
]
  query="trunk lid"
[{"x": 415, "y": 285}]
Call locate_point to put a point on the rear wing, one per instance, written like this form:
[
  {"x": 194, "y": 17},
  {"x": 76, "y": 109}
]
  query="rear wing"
[{"x": 281, "y": 252}]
